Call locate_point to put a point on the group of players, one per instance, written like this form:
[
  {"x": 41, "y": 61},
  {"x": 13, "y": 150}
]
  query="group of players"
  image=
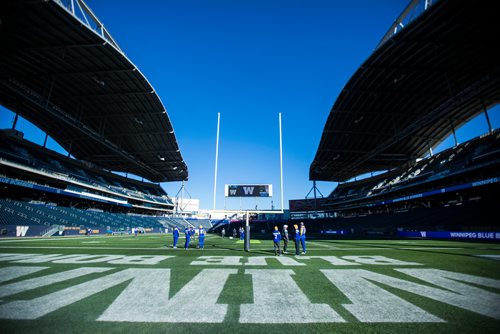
[
  {"x": 300, "y": 239},
  {"x": 190, "y": 233}
]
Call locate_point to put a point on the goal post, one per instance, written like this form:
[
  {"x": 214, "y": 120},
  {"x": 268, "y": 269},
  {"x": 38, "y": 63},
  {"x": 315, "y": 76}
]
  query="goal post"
[{"x": 249, "y": 190}]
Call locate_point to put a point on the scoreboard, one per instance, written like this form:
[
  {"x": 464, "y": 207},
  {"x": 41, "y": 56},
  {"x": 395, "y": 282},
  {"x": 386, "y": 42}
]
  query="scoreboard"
[{"x": 248, "y": 190}]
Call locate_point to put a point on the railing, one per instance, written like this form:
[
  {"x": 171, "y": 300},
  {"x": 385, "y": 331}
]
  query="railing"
[
  {"x": 410, "y": 13},
  {"x": 82, "y": 12}
]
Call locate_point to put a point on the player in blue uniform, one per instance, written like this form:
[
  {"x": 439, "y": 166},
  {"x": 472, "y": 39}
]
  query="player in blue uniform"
[
  {"x": 187, "y": 233},
  {"x": 175, "y": 233},
  {"x": 201, "y": 238},
  {"x": 303, "y": 237},
  {"x": 297, "y": 239},
  {"x": 277, "y": 241},
  {"x": 193, "y": 233}
]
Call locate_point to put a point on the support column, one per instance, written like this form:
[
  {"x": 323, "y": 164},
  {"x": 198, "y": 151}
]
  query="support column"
[{"x": 15, "y": 121}]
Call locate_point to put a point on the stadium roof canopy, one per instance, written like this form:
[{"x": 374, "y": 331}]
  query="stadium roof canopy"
[
  {"x": 435, "y": 74},
  {"x": 61, "y": 70}
]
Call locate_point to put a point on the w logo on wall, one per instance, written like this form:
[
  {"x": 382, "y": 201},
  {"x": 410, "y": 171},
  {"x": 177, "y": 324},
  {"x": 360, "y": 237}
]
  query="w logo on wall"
[{"x": 21, "y": 231}]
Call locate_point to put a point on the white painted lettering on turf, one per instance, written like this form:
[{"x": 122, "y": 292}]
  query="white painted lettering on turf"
[
  {"x": 8, "y": 273},
  {"x": 458, "y": 294},
  {"x": 12, "y": 257},
  {"x": 85, "y": 258},
  {"x": 332, "y": 260},
  {"x": 141, "y": 259},
  {"x": 38, "y": 307},
  {"x": 89, "y": 259},
  {"x": 371, "y": 303},
  {"x": 278, "y": 299},
  {"x": 217, "y": 260},
  {"x": 37, "y": 282},
  {"x": 146, "y": 299},
  {"x": 261, "y": 261},
  {"x": 40, "y": 258},
  {"x": 378, "y": 260}
]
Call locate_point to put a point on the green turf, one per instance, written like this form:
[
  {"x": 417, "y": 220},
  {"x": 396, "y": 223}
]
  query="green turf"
[{"x": 80, "y": 316}]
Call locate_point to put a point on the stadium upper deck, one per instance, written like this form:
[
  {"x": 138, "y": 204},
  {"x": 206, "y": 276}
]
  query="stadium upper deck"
[
  {"x": 61, "y": 70},
  {"x": 413, "y": 91}
]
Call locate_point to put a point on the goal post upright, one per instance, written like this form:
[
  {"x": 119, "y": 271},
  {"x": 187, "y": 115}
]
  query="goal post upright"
[
  {"x": 216, "y": 157},
  {"x": 248, "y": 212}
]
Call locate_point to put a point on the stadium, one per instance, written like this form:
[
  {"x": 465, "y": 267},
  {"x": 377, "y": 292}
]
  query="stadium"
[{"x": 407, "y": 241}]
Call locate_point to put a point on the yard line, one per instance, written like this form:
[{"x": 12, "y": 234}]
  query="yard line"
[{"x": 28, "y": 239}]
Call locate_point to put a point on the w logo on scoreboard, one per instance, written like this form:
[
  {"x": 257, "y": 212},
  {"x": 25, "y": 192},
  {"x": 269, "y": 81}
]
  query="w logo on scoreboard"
[{"x": 249, "y": 190}]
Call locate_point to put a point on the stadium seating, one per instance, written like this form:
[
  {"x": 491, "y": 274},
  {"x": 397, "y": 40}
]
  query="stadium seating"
[
  {"x": 24, "y": 213},
  {"x": 452, "y": 166},
  {"x": 79, "y": 177}
]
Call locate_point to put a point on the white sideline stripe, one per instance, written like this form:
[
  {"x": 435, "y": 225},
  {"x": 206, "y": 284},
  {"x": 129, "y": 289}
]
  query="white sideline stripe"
[
  {"x": 28, "y": 239},
  {"x": 9, "y": 273}
]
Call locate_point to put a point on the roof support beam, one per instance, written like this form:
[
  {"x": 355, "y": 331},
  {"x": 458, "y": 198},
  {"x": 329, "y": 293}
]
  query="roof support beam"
[
  {"x": 453, "y": 102},
  {"x": 57, "y": 112},
  {"x": 70, "y": 97}
]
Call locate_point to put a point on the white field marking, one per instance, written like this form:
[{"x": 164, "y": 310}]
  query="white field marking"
[
  {"x": 321, "y": 245},
  {"x": 163, "y": 248},
  {"x": 36, "y": 239},
  {"x": 82, "y": 247},
  {"x": 278, "y": 299},
  {"x": 427, "y": 248},
  {"x": 369, "y": 303},
  {"x": 14, "y": 256},
  {"x": 141, "y": 259},
  {"x": 38, "y": 307},
  {"x": 214, "y": 249},
  {"x": 332, "y": 260},
  {"x": 261, "y": 261},
  {"x": 457, "y": 294},
  {"x": 37, "y": 282},
  {"x": 217, "y": 260},
  {"x": 491, "y": 257},
  {"x": 378, "y": 260},
  {"x": 93, "y": 242},
  {"x": 85, "y": 258},
  {"x": 40, "y": 258},
  {"x": 8, "y": 273},
  {"x": 146, "y": 299}
]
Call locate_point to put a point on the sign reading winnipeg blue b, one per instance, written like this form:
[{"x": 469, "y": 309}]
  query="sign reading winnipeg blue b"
[{"x": 249, "y": 190}]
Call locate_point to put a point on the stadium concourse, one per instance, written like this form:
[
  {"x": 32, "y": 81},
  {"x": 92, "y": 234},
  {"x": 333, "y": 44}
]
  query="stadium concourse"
[{"x": 418, "y": 87}]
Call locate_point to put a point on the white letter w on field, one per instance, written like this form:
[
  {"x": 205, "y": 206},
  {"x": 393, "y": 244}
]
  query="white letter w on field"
[{"x": 146, "y": 298}]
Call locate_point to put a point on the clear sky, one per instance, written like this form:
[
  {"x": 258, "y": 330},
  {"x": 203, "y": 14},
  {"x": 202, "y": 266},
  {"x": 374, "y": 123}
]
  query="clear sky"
[{"x": 248, "y": 60}]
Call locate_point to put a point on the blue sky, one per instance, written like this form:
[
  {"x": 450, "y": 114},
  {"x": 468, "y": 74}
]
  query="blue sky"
[{"x": 248, "y": 60}]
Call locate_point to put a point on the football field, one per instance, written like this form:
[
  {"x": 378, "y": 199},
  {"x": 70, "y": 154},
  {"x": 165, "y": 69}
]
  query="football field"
[{"x": 118, "y": 284}]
